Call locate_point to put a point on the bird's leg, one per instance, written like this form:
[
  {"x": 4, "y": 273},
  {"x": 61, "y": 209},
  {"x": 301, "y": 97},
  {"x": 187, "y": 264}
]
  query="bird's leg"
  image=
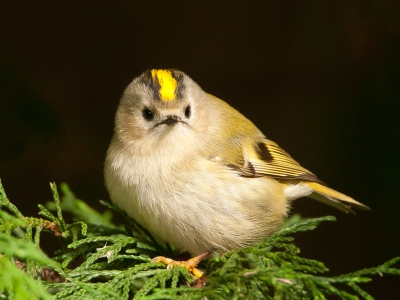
[{"x": 189, "y": 264}]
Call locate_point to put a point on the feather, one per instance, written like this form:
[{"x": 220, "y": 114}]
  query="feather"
[
  {"x": 333, "y": 198},
  {"x": 266, "y": 158}
]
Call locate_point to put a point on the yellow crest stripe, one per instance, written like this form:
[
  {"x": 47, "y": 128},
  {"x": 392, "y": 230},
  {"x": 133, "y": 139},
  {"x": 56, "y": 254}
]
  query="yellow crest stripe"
[{"x": 167, "y": 84}]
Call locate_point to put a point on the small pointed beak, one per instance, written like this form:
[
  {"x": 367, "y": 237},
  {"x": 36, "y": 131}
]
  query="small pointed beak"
[{"x": 170, "y": 120}]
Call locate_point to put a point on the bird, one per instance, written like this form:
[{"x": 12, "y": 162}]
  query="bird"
[{"x": 198, "y": 174}]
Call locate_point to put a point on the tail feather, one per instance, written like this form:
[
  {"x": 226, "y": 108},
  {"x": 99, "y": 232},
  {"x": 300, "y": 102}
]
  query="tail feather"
[{"x": 333, "y": 198}]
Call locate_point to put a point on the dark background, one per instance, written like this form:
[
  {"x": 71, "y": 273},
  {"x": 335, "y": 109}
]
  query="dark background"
[{"x": 320, "y": 78}]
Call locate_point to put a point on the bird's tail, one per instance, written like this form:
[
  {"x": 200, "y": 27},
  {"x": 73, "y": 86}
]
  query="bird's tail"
[{"x": 333, "y": 198}]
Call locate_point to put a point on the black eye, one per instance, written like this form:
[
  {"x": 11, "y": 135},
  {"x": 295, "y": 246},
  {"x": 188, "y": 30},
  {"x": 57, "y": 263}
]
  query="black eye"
[
  {"x": 188, "y": 112},
  {"x": 147, "y": 114}
]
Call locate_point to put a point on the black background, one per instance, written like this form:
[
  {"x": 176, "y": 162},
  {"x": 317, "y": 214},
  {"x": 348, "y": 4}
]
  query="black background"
[{"x": 321, "y": 78}]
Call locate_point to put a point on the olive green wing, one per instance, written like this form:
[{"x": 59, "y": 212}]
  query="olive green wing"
[{"x": 266, "y": 158}]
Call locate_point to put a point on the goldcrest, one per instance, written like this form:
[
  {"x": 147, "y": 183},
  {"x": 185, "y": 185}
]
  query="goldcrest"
[{"x": 198, "y": 174}]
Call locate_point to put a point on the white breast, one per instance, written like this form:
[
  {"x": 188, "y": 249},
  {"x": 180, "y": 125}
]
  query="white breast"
[{"x": 195, "y": 204}]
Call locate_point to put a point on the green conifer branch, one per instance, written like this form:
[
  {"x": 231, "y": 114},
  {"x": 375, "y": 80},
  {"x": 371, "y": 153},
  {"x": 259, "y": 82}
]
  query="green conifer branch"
[{"x": 106, "y": 261}]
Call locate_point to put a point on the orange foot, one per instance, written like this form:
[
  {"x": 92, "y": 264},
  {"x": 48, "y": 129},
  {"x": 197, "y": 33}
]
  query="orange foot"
[{"x": 190, "y": 264}]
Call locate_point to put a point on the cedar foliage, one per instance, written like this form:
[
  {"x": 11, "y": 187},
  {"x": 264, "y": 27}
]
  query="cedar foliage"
[{"x": 100, "y": 260}]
